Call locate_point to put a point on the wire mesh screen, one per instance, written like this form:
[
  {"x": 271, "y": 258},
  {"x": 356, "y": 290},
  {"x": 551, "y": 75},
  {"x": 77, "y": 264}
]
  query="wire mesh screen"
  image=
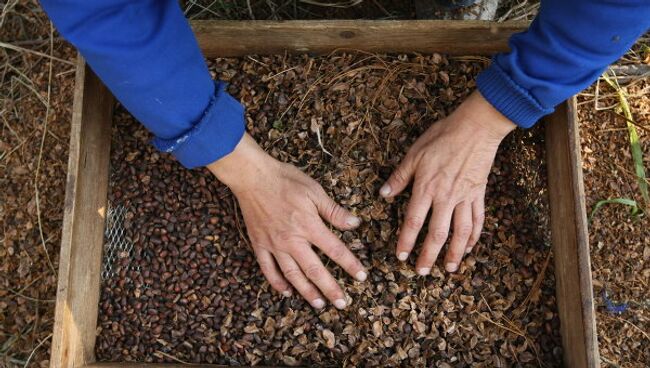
[{"x": 118, "y": 250}]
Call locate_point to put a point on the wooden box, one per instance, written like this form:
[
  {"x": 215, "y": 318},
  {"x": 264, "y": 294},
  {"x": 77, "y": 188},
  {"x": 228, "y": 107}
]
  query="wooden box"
[{"x": 88, "y": 169}]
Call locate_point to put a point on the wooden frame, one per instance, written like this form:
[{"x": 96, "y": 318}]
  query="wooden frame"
[{"x": 86, "y": 189}]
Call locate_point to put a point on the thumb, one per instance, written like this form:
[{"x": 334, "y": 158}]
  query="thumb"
[
  {"x": 336, "y": 215},
  {"x": 398, "y": 180}
]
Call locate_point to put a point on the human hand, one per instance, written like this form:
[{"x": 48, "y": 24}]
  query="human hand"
[
  {"x": 449, "y": 165},
  {"x": 282, "y": 208}
]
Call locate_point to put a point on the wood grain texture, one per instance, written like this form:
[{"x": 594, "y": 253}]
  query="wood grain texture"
[
  {"x": 240, "y": 38},
  {"x": 570, "y": 239},
  {"x": 164, "y": 365},
  {"x": 77, "y": 297}
]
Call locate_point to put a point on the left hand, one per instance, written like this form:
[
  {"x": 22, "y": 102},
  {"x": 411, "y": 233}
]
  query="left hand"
[{"x": 449, "y": 165}]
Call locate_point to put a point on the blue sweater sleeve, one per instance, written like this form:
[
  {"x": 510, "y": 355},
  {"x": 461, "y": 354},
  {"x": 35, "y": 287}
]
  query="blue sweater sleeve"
[
  {"x": 565, "y": 49},
  {"x": 146, "y": 54}
]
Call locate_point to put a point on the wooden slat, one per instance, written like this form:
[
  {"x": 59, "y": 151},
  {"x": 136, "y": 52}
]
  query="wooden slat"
[
  {"x": 241, "y": 38},
  {"x": 77, "y": 296},
  {"x": 164, "y": 365},
  {"x": 570, "y": 239}
]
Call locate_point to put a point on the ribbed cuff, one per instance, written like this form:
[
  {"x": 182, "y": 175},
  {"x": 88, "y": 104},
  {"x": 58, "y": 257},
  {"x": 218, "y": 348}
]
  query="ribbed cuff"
[
  {"x": 509, "y": 98},
  {"x": 215, "y": 135}
]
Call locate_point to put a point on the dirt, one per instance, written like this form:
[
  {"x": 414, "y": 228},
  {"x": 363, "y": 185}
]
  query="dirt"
[
  {"x": 348, "y": 9},
  {"x": 620, "y": 242},
  {"x": 192, "y": 280},
  {"x": 33, "y": 163}
]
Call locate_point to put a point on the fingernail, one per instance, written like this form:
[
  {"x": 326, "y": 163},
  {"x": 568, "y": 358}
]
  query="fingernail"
[
  {"x": 339, "y": 303},
  {"x": 451, "y": 266},
  {"x": 424, "y": 271},
  {"x": 385, "y": 190},
  {"x": 286, "y": 293},
  {"x": 353, "y": 221},
  {"x": 402, "y": 256},
  {"x": 361, "y": 276},
  {"x": 318, "y": 303},
  {"x": 469, "y": 250}
]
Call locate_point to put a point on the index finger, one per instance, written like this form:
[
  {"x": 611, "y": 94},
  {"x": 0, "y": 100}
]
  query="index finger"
[{"x": 416, "y": 214}]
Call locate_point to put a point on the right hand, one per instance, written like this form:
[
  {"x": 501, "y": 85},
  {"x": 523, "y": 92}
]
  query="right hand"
[{"x": 282, "y": 208}]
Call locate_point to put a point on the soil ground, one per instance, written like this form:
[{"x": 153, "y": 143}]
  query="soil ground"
[
  {"x": 620, "y": 242},
  {"x": 33, "y": 161}
]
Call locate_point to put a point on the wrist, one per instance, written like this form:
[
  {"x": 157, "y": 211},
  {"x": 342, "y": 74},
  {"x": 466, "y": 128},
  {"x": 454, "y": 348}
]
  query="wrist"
[
  {"x": 244, "y": 166},
  {"x": 484, "y": 116}
]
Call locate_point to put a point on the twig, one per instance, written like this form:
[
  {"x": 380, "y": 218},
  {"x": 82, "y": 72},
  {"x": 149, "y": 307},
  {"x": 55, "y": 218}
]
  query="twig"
[
  {"x": 519, "y": 333},
  {"x": 625, "y": 119},
  {"x": 34, "y": 42},
  {"x": 503, "y": 326},
  {"x": 237, "y": 224},
  {"x": 6, "y": 123},
  {"x": 203, "y": 9},
  {"x": 31, "y": 283},
  {"x": 18, "y": 293},
  {"x": 645, "y": 334},
  {"x": 613, "y": 364},
  {"x": 250, "y": 9},
  {"x": 27, "y": 85},
  {"x": 30, "y": 51},
  {"x": 36, "y": 348},
  {"x": 320, "y": 142},
  {"x": 6, "y": 9},
  {"x": 282, "y": 72},
  {"x": 344, "y": 4},
  {"x": 40, "y": 156},
  {"x": 536, "y": 284},
  {"x": 378, "y": 5},
  {"x": 172, "y": 357},
  {"x": 5, "y": 156}
]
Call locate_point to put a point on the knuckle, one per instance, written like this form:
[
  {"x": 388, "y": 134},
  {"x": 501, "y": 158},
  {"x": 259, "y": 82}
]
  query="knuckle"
[
  {"x": 443, "y": 196},
  {"x": 257, "y": 245},
  {"x": 313, "y": 271},
  {"x": 332, "y": 291},
  {"x": 432, "y": 187},
  {"x": 439, "y": 236},
  {"x": 471, "y": 184},
  {"x": 315, "y": 189},
  {"x": 338, "y": 253},
  {"x": 414, "y": 222},
  {"x": 277, "y": 283},
  {"x": 399, "y": 175},
  {"x": 464, "y": 230},
  {"x": 265, "y": 267},
  {"x": 333, "y": 210},
  {"x": 285, "y": 236},
  {"x": 293, "y": 274}
]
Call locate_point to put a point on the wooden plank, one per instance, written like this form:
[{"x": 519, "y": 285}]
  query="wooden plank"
[
  {"x": 569, "y": 234},
  {"x": 77, "y": 296},
  {"x": 164, "y": 365},
  {"x": 241, "y": 38}
]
